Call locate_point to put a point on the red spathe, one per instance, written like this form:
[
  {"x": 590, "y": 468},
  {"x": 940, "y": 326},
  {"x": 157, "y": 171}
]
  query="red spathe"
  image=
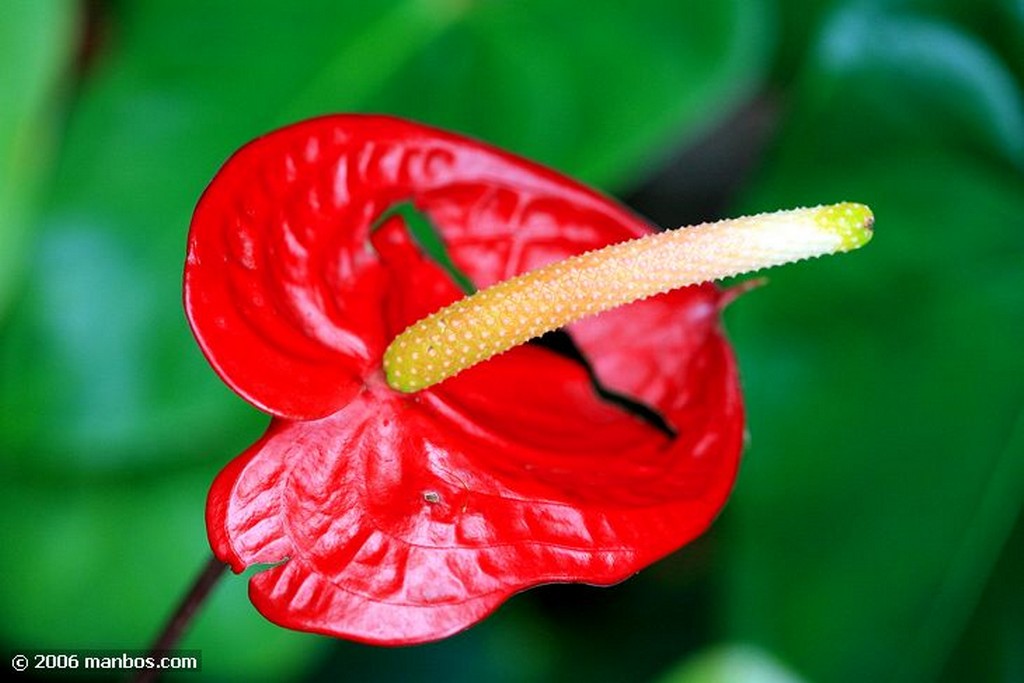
[{"x": 401, "y": 518}]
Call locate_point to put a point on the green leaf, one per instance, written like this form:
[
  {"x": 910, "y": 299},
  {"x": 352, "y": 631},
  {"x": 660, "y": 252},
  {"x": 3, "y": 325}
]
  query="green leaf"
[
  {"x": 595, "y": 89},
  {"x": 913, "y": 77},
  {"x": 885, "y": 467},
  {"x": 999, "y": 22},
  {"x": 883, "y": 393},
  {"x": 102, "y": 566},
  {"x": 36, "y": 41}
]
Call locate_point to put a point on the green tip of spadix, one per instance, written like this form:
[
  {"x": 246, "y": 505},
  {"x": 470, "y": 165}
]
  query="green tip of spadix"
[{"x": 853, "y": 223}]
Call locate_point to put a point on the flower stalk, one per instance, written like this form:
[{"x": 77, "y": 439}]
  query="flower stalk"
[
  {"x": 516, "y": 310},
  {"x": 182, "y": 617}
]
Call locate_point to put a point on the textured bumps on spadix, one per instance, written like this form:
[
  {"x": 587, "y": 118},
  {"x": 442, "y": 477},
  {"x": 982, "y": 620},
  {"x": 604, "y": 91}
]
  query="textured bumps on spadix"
[{"x": 514, "y": 311}]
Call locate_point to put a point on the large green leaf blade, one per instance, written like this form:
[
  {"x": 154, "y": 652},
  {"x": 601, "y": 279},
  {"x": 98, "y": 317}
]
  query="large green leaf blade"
[
  {"x": 883, "y": 396},
  {"x": 885, "y": 467},
  {"x": 597, "y": 90}
]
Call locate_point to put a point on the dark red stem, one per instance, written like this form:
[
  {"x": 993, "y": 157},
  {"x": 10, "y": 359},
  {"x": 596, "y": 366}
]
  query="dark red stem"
[{"x": 179, "y": 621}]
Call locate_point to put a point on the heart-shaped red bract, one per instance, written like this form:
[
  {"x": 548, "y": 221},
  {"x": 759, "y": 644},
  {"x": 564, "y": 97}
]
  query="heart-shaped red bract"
[{"x": 400, "y": 518}]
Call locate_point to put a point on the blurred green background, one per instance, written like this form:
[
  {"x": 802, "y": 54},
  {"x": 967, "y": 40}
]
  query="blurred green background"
[{"x": 875, "y": 531}]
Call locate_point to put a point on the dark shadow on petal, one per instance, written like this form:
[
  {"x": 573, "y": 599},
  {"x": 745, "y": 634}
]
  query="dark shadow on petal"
[{"x": 561, "y": 342}]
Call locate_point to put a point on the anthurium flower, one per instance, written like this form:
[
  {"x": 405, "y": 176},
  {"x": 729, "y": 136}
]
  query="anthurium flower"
[{"x": 395, "y": 512}]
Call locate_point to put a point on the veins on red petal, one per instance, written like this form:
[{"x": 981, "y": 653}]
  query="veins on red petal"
[{"x": 400, "y": 519}]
